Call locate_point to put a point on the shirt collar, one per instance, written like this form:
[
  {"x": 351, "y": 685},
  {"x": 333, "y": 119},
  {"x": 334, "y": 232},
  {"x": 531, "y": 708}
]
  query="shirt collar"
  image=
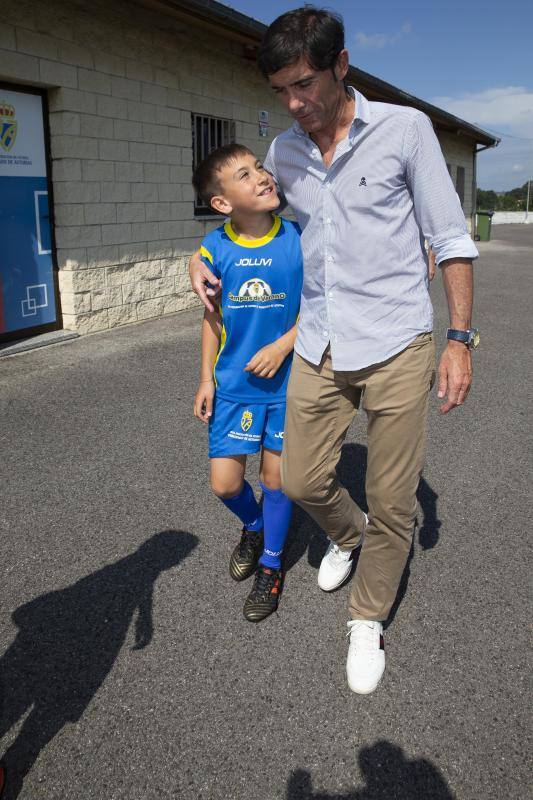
[{"x": 362, "y": 112}]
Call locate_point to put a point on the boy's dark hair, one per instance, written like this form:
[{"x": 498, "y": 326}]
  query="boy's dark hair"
[
  {"x": 205, "y": 179},
  {"x": 309, "y": 32}
]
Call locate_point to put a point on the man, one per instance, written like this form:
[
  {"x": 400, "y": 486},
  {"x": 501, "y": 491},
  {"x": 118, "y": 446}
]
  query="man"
[{"x": 367, "y": 182}]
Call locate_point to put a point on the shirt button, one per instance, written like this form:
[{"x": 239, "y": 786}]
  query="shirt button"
[
  {"x": 324, "y": 333},
  {"x": 330, "y": 258},
  {"x": 328, "y": 221},
  {"x": 330, "y": 294}
]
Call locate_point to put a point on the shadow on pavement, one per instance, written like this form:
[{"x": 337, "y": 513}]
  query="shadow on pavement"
[
  {"x": 306, "y": 535},
  {"x": 388, "y": 775},
  {"x": 68, "y": 641}
]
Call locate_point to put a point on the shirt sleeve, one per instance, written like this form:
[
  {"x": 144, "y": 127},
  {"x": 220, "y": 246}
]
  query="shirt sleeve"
[
  {"x": 437, "y": 206},
  {"x": 208, "y": 255},
  {"x": 270, "y": 165}
]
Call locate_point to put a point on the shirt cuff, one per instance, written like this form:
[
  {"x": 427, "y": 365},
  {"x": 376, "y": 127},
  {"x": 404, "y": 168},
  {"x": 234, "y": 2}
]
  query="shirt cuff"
[{"x": 458, "y": 247}]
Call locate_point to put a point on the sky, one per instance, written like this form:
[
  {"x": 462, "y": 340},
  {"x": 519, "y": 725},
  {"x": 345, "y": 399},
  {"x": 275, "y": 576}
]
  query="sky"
[{"x": 474, "y": 59}]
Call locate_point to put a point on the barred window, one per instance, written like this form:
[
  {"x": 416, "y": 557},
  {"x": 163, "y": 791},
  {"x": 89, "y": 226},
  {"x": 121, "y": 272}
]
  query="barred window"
[{"x": 208, "y": 133}]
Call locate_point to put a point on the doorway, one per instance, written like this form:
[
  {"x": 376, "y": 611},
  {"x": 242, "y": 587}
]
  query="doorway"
[{"x": 29, "y": 299}]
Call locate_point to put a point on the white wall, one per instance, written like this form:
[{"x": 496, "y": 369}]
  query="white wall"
[{"x": 506, "y": 217}]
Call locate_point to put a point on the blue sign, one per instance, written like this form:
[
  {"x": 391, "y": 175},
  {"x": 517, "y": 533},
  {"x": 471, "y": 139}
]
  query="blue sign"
[
  {"x": 27, "y": 289},
  {"x": 26, "y": 272}
]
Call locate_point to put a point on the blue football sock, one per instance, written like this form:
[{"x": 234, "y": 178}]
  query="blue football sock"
[
  {"x": 277, "y": 509},
  {"x": 245, "y": 506}
]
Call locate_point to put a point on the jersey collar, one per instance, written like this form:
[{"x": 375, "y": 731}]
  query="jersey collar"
[{"x": 253, "y": 242}]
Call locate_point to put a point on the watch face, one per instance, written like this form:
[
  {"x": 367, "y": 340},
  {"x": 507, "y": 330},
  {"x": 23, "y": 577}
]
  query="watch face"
[{"x": 474, "y": 341}]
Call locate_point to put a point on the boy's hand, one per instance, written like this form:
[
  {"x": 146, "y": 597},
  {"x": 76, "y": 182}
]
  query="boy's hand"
[
  {"x": 203, "y": 402},
  {"x": 266, "y": 361}
]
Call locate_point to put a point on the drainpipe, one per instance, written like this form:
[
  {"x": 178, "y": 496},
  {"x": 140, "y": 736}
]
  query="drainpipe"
[
  {"x": 474, "y": 188},
  {"x": 474, "y": 195}
]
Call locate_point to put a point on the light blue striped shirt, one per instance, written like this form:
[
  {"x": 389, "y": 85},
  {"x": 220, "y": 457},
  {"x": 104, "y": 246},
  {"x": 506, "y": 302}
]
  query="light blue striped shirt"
[{"x": 364, "y": 220}]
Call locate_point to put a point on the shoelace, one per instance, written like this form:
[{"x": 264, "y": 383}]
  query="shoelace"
[
  {"x": 264, "y": 581},
  {"x": 364, "y": 636},
  {"x": 336, "y": 554}
]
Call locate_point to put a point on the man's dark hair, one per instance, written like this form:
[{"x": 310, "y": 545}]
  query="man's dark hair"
[
  {"x": 309, "y": 32},
  {"x": 205, "y": 177}
]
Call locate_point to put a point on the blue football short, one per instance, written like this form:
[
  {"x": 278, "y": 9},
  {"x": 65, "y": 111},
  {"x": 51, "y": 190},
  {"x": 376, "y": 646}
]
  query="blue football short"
[{"x": 237, "y": 429}]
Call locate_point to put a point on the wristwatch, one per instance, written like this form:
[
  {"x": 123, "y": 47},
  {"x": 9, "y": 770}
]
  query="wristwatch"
[{"x": 469, "y": 337}]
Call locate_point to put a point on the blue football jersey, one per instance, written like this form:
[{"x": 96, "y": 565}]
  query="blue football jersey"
[{"x": 261, "y": 286}]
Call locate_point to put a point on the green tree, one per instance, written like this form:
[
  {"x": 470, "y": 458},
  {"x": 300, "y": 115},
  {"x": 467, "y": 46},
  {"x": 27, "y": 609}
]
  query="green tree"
[
  {"x": 486, "y": 200},
  {"x": 513, "y": 200}
]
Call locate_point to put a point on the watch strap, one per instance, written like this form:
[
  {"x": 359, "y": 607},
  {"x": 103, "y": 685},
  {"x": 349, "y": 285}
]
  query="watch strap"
[{"x": 458, "y": 336}]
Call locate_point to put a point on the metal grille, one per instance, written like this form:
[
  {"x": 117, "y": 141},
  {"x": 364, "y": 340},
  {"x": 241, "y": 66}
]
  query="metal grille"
[{"x": 208, "y": 133}]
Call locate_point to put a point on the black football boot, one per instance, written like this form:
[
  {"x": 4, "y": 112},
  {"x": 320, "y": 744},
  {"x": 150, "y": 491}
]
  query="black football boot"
[
  {"x": 244, "y": 558},
  {"x": 264, "y": 598}
]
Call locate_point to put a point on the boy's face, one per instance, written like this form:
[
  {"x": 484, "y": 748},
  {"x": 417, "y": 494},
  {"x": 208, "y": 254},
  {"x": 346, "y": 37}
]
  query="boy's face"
[{"x": 245, "y": 187}]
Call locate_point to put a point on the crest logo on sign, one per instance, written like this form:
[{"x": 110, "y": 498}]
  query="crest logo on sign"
[{"x": 8, "y": 126}]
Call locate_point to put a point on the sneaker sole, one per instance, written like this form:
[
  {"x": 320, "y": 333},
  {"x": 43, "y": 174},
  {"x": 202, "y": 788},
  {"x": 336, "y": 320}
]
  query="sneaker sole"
[{"x": 367, "y": 691}]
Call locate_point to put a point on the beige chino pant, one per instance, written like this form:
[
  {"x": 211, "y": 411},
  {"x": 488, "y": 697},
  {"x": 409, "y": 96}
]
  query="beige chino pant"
[{"x": 321, "y": 403}]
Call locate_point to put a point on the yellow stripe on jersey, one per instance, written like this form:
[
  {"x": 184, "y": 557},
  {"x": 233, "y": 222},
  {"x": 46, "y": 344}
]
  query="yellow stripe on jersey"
[
  {"x": 253, "y": 242},
  {"x": 206, "y": 254},
  {"x": 223, "y": 338}
]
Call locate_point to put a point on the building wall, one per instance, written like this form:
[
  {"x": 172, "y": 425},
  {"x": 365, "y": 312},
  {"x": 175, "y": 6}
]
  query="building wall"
[
  {"x": 460, "y": 153},
  {"x": 122, "y": 83}
]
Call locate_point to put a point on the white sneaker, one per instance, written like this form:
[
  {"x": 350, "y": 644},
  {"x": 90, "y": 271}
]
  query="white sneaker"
[
  {"x": 366, "y": 655},
  {"x": 336, "y": 566}
]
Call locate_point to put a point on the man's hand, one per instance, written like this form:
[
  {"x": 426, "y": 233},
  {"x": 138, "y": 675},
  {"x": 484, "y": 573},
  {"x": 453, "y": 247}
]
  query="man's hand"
[
  {"x": 203, "y": 402},
  {"x": 455, "y": 375},
  {"x": 266, "y": 361},
  {"x": 201, "y": 275}
]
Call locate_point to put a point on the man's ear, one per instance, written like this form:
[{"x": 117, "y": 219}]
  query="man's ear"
[
  {"x": 220, "y": 204},
  {"x": 342, "y": 65}
]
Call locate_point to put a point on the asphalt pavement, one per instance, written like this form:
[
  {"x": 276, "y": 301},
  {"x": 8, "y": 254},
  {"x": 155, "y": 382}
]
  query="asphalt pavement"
[{"x": 127, "y": 668}]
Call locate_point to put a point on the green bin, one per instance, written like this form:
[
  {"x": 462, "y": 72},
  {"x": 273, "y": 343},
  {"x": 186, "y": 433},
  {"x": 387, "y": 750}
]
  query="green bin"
[{"x": 484, "y": 225}]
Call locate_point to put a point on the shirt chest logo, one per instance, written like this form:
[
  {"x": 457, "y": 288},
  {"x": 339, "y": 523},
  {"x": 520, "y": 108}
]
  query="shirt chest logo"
[
  {"x": 255, "y": 290},
  {"x": 254, "y": 262},
  {"x": 362, "y": 182}
]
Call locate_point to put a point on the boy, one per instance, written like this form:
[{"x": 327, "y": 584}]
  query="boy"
[{"x": 247, "y": 348}]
